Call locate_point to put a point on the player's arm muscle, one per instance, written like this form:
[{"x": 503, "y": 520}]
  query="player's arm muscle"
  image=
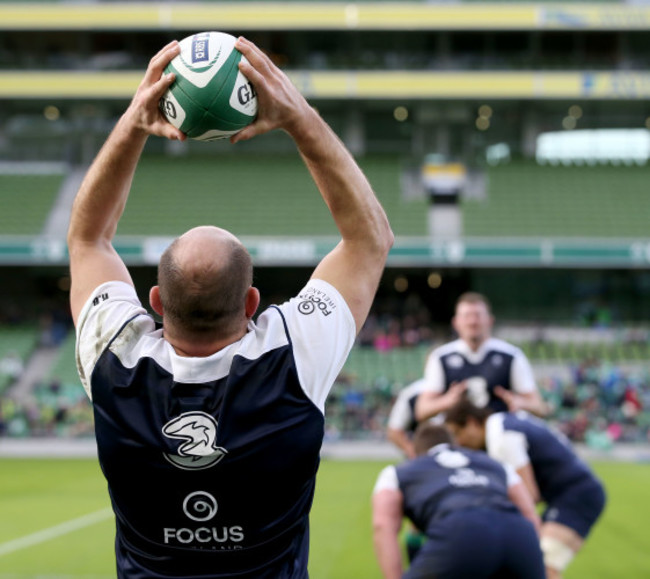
[
  {"x": 528, "y": 477},
  {"x": 521, "y": 497},
  {"x": 102, "y": 196},
  {"x": 355, "y": 265},
  {"x": 386, "y": 523},
  {"x": 400, "y": 439}
]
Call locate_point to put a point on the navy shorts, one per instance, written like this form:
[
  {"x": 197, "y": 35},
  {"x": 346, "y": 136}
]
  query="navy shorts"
[
  {"x": 578, "y": 507},
  {"x": 480, "y": 543}
]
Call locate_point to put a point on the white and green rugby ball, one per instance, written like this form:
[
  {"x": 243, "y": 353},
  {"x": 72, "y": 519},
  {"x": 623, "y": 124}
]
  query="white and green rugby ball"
[{"x": 210, "y": 98}]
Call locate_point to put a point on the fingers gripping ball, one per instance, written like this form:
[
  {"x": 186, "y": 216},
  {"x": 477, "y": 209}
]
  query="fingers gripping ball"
[{"x": 210, "y": 98}]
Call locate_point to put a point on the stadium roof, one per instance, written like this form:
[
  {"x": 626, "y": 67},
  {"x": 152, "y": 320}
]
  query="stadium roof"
[{"x": 243, "y": 16}]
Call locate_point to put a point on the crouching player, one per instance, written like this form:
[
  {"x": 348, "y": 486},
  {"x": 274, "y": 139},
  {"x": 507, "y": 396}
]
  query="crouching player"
[
  {"x": 549, "y": 467},
  {"x": 464, "y": 502}
]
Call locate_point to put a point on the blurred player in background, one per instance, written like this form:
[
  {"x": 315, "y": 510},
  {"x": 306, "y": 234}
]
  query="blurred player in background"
[
  {"x": 464, "y": 502},
  {"x": 492, "y": 372},
  {"x": 401, "y": 427},
  {"x": 549, "y": 467},
  {"x": 209, "y": 428},
  {"x": 401, "y": 420}
]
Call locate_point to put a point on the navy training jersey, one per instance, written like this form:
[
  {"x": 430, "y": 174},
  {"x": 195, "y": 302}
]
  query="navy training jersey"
[
  {"x": 211, "y": 462},
  {"x": 519, "y": 439},
  {"x": 447, "y": 480},
  {"x": 495, "y": 363}
]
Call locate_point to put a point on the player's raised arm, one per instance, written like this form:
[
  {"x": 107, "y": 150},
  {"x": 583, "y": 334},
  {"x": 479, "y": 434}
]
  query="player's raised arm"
[
  {"x": 103, "y": 193},
  {"x": 355, "y": 266}
]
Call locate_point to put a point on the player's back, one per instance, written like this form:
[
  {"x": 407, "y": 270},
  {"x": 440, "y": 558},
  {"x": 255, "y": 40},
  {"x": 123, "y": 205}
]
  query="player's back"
[
  {"x": 235, "y": 495},
  {"x": 211, "y": 461},
  {"x": 554, "y": 462},
  {"x": 450, "y": 479}
]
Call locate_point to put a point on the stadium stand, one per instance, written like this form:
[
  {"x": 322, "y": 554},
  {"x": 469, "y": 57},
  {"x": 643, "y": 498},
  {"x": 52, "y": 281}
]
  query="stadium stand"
[
  {"x": 526, "y": 199},
  {"x": 16, "y": 344},
  {"x": 275, "y": 196},
  {"x": 438, "y": 64},
  {"x": 26, "y": 201}
]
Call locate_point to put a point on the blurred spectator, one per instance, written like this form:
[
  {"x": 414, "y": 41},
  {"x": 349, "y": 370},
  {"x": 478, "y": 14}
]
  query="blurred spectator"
[{"x": 11, "y": 365}]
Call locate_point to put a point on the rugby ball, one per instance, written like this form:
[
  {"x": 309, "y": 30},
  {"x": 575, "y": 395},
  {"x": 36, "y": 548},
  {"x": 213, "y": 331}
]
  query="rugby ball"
[{"x": 210, "y": 98}]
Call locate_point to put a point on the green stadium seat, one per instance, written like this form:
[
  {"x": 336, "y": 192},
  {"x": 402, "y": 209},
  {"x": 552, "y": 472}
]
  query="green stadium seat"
[
  {"x": 530, "y": 200},
  {"x": 16, "y": 341},
  {"x": 64, "y": 369},
  {"x": 26, "y": 201},
  {"x": 274, "y": 196}
]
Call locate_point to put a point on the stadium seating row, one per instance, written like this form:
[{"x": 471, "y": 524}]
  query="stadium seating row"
[
  {"x": 16, "y": 344},
  {"x": 276, "y": 197}
]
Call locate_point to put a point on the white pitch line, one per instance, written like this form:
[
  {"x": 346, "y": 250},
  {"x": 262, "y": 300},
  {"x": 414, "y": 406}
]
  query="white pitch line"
[{"x": 55, "y": 531}]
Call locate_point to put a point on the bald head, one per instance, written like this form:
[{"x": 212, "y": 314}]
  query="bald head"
[{"x": 204, "y": 276}]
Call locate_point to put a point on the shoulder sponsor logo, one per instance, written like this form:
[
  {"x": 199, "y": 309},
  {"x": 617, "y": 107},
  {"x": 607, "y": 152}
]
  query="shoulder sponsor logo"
[
  {"x": 199, "y": 449},
  {"x": 313, "y": 300}
]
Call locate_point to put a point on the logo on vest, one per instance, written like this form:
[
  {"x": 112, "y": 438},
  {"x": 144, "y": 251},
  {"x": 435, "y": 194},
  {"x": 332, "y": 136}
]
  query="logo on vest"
[
  {"x": 451, "y": 459},
  {"x": 477, "y": 391},
  {"x": 466, "y": 477},
  {"x": 201, "y": 506},
  {"x": 455, "y": 361},
  {"x": 199, "y": 449},
  {"x": 497, "y": 360}
]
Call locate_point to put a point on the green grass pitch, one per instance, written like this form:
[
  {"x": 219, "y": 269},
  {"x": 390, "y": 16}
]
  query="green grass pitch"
[{"x": 54, "y": 523}]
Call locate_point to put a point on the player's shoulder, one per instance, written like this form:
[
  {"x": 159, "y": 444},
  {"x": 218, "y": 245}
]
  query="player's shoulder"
[
  {"x": 413, "y": 389},
  {"x": 453, "y": 347},
  {"x": 520, "y": 421},
  {"x": 498, "y": 345}
]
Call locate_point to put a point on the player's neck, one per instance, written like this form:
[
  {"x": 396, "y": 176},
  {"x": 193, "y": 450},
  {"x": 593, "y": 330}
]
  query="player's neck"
[
  {"x": 475, "y": 343},
  {"x": 193, "y": 347}
]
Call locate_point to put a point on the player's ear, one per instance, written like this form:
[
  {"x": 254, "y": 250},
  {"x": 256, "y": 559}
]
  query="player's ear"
[
  {"x": 154, "y": 300},
  {"x": 252, "y": 301}
]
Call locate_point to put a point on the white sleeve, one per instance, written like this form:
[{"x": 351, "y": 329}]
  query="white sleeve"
[
  {"x": 109, "y": 307},
  {"x": 512, "y": 477},
  {"x": 522, "y": 379},
  {"x": 400, "y": 414},
  {"x": 506, "y": 446},
  {"x": 387, "y": 480},
  {"x": 434, "y": 375},
  {"x": 322, "y": 332}
]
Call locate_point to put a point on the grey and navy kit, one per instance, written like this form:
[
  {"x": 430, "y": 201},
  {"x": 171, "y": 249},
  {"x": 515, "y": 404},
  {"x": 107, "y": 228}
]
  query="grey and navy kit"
[
  {"x": 495, "y": 363},
  {"x": 573, "y": 495},
  {"x": 211, "y": 461},
  {"x": 459, "y": 499}
]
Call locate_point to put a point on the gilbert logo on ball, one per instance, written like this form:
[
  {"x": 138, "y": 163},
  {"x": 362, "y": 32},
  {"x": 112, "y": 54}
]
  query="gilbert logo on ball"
[{"x": 210, "y": 99}]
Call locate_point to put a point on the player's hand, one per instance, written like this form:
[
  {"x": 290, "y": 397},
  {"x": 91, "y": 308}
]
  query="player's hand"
[
  {"x": 455, "y": 393},
  {"x": 279, "y": 103},
  {"x": 143, "y": 112},
  {"x": 512, "y": 400}
]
